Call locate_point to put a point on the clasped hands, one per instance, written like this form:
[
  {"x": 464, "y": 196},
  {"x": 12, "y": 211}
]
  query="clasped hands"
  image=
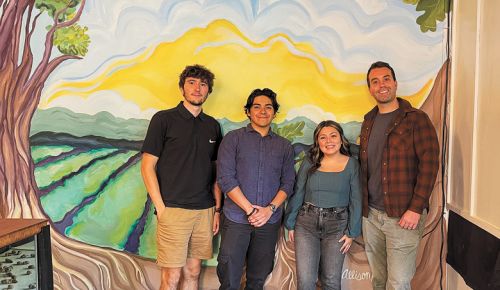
[{"x": 260, "y": 215}]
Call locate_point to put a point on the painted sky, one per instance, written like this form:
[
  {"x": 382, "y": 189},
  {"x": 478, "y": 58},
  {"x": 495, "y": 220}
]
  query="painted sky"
[{"x": 333, "y": 41}]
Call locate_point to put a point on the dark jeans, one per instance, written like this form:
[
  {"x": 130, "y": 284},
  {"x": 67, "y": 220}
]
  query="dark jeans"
[
  {"x": 317, "y": 247},
  {"x": 240, "y": 242}
]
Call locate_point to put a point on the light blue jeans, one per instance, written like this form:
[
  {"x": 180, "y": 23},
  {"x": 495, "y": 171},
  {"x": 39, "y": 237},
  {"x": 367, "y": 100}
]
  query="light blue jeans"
[
  {"x": 317, "y": 247},
  {"x": 391, "y": 250}
]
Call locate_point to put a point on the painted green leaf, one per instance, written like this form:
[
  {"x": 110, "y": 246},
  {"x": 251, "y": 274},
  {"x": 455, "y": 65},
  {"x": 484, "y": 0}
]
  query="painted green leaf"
[
  {"x": 434, "y": 11},
  {"x": 292, "y": 130},
  {"x": 72, "y": 40},
  {"x": 298, "y": 160},
  {"x": 53, "y": 6}
]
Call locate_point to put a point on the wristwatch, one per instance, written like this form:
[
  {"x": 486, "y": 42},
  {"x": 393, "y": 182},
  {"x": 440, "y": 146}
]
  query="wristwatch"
[
  {"x": 273, "y": 207},
  {"x": 218, "y": 209}
]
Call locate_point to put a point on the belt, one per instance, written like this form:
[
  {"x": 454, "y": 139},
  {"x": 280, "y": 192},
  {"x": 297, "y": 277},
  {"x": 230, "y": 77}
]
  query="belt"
[{"x": 312, "y": 208}]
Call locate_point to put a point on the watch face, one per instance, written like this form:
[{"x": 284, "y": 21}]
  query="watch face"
[{"x": 273, "y": 207}]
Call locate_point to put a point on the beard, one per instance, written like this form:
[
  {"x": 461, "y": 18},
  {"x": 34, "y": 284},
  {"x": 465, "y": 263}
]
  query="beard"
[
  {"x": 385, "y": 99},
  {"x": 197, "y": 103}
]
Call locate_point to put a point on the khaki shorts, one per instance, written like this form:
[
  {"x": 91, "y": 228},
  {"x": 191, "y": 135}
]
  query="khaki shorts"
[{"x": 184, "y": 233}]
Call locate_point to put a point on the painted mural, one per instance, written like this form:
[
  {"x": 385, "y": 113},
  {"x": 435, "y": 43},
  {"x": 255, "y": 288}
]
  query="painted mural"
[{"x": 80, "y": 80}]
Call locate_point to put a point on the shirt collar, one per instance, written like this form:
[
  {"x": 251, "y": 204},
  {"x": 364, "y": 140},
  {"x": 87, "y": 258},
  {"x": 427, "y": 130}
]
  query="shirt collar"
[
  {"x": 187, "y": 115},
  {"x": 249, "y": 128},
  {"x": 404, "y": 107}
]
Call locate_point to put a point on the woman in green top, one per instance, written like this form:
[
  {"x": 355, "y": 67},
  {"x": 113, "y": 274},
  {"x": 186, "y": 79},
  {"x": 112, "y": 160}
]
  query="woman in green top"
[{"x": 324, "y": 214}]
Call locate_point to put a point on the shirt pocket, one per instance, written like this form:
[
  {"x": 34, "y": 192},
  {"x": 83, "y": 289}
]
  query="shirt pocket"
[{"x": 400, "y": 138}]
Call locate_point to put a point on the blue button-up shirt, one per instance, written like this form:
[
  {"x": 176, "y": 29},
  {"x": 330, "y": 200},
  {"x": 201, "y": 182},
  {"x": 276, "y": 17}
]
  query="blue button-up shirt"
[{"x": 260, "y": 166}]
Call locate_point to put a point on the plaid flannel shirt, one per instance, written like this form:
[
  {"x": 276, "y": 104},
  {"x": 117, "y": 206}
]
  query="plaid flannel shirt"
[{"x": 410, "y": 160}]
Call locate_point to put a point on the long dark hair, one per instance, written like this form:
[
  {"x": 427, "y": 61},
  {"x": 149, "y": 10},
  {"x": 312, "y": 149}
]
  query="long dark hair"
[{"x": 315, "y": 155}]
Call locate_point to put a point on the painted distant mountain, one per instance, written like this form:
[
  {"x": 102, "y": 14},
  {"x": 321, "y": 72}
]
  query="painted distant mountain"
[
  {"x": 104, "y": 124},
  {"x": 351, "y": 129}
]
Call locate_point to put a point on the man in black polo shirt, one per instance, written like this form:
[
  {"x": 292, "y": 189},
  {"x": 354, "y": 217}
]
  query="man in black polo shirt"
[{"x": 178, "y": 170}]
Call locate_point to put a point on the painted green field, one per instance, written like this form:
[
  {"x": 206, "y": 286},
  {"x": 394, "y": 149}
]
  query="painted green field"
[
  {"x": 39, "y": 153},
  {"x": 97, "y": 196},
  {"x": 52, "y": 172},
  {"x": 87, "y": 183},
  {"x": 113, "y": 213}
]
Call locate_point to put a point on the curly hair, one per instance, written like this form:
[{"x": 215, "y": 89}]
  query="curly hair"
[
  {"x": 315, "y": 155},
  {"x": 199, "y": 72}
]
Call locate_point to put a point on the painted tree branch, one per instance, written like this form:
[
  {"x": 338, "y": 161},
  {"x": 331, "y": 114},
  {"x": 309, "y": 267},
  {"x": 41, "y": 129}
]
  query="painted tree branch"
[
  {"x": 75, "y": 18},
  {"x": 27, "y": 58},
  {"x": 49, "y": 42},
  {"x": 7, "y": 23},
  {"x": 16, "y": 36},
  {"x": 10, "y": 27},
  {"x": 42, "y": 78}
]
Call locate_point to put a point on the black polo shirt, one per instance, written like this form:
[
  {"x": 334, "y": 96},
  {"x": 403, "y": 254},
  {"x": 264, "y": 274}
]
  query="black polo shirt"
[{"x": 187, "y": 148}]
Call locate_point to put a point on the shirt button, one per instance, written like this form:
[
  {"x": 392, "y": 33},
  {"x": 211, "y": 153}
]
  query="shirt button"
[
  {"x": 385, "y": 192},
  {"x": 384, "y": 178},
  {"x": 385, "y": 164}
]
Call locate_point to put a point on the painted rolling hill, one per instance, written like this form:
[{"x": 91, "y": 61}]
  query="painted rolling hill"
[{"x": 88, "y": 173}]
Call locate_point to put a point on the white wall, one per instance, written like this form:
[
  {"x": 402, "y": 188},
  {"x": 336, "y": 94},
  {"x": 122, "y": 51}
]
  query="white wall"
[
  {"x": 474, "y": 167},
  {"x": 474, "y": 160}
]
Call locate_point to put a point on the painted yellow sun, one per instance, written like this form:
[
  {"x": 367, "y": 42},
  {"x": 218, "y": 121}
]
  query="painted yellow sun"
[{"x": 299, "y": 75}]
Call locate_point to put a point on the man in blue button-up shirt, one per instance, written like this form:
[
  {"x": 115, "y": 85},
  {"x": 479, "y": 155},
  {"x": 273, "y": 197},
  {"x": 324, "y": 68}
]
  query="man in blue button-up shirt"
[{"x": 256, "y": 172}]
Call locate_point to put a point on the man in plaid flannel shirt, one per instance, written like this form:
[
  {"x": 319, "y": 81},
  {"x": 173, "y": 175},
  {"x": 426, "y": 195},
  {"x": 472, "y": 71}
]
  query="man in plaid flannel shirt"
[{"x": 399, "y": 155}]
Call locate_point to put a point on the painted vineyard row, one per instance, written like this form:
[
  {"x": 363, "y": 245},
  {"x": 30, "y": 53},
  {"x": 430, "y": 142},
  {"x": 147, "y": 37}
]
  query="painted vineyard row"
[{"x": 96, "y": 196}]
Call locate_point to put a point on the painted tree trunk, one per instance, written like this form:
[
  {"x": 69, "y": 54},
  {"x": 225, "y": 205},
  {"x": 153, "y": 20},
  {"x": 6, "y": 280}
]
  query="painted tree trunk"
[{"x": 76, "y": 265}]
